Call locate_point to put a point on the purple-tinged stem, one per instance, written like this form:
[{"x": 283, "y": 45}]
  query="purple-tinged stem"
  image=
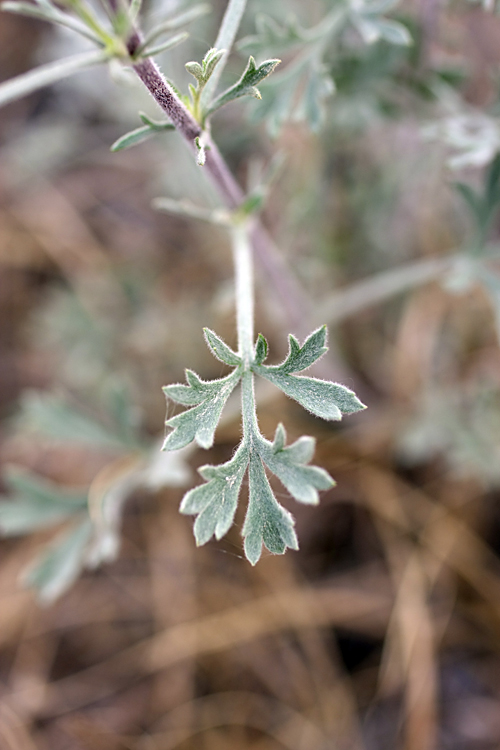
[{"x": 292, "y": 299}]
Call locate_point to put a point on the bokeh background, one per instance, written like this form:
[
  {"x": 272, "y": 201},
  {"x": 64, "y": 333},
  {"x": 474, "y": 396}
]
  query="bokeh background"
[{"x": 383, "y": 631}]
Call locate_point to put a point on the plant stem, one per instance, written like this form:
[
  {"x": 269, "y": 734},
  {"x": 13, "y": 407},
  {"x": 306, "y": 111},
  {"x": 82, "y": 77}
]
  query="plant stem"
[
  {"x": 225, "y": 40},
  {"x": 244, "y": 293},
  {"x": 363, "y": 294}
]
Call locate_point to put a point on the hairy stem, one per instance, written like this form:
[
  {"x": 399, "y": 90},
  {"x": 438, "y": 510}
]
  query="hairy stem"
[
  {"x": 243, "y": 273},
  {"x": 225, "y": 40}
]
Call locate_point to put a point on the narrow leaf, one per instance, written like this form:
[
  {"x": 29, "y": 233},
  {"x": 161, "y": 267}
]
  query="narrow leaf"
[
  {"x": 50, "y": 14},
  {"x": 132, "y": 138},
  {"x": 45, "y": 75},
  {"x": 164, "y": 46}
]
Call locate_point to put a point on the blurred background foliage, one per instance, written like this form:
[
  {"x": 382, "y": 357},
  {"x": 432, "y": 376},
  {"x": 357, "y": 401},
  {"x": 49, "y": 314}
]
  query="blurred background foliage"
[{"x": 384, "y": 629}]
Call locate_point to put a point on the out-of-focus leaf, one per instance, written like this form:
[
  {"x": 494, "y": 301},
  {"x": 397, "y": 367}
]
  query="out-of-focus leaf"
[
  {"x": 35, "y": 503},
  {"x": 52, "y": 416},
  {"x": 58, "y": 567}
]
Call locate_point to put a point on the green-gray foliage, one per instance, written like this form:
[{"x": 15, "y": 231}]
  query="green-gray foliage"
[{"x": 214, "y": 503}]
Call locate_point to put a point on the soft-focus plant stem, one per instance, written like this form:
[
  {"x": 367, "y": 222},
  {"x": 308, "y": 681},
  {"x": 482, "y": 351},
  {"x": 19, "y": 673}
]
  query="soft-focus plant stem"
[{"x": 244, "y": 292}]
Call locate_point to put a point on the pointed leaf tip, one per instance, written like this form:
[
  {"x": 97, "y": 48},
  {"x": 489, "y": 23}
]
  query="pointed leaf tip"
[
  {"x": 220, "y": 349},
  {"x": 261, "y": 350}
]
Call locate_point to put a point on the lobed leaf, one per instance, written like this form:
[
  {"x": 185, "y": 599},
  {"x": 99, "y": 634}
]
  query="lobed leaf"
[
  {"x": 301, "y": 357},
  {"x": 215, "y": 502},
  {"x": 289, "y": 465},
  {"x": 321, "y": 397},
  {"x": 198, "y": 423},
  {"x": 266, "y": 521},
  {"x": 220, "y": 349}
]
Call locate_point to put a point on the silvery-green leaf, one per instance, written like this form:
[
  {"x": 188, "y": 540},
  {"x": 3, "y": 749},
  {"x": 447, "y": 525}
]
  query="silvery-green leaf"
[
  {"x": 198, "y": 423},
  {"x": 289, "y": 465},
  {"x": 57, "y": 568},
  {"x": 261, "y": 350},
  {"x": 301, "y": 357},
  {"x": 220, "y": 349},
  {"x": 36, "y": 503},
  {"x": 215, "y": 502},
  {"x": 266, "y": 521},
  {"x": 252, "y": 75},
  {"x": 320, "y": 397}
]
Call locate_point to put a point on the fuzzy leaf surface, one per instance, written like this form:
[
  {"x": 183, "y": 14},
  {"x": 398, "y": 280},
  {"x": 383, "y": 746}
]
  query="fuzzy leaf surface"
[
  {"x": 220, "y": 349},
  {"x": 289, "y": 465},
  {"x": 301, "y": 357},
  {"x": 266, "y": 521},
  {"x": 321, "y": 397},
  {"x": 246, "y": 86},
  {"x": 207, "y": 399},
  {"x": 215, "y": 502}
]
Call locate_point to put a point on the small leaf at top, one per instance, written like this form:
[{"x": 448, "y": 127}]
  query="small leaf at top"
[
  {"x": 252, "y": 75},
  {"x": 220, "y": 349}
]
